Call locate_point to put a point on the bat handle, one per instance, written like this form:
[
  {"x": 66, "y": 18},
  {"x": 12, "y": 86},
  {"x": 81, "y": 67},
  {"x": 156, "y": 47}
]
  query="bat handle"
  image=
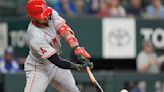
[{"x": 92, "y": 78}]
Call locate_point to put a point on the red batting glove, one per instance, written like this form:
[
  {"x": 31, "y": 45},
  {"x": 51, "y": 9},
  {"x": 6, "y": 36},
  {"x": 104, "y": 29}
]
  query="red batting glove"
[{"x": 81, "y": 51}]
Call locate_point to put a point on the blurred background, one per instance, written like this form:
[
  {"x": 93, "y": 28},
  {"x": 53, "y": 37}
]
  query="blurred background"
[{"x": 124, "y": 37}]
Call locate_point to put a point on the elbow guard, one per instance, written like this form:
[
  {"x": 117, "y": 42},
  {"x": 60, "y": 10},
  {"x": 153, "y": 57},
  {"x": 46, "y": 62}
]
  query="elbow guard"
[
  {"x": 64, "y": 27},
  {"x": 60, "y": 62}
]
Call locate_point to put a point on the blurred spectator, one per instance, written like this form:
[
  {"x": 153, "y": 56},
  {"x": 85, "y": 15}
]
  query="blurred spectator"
[
  {"x": 131, "y": 86},
  {"x": 116, "y": 10},
  {"x": 103, "y": 8},
  {"x": 125, "y": 2},
  {"x": 147, "y": 59},
  {"x": 155, "y": 10},
  {"x": 21, "y": 61},
  {"x": 92, "y": 7},
  {"x": 8, "y": 64},
  {"x": 135, "y": 8},
  {"x": 80, "y": 6},
  {"x": 66, "y": 7}
]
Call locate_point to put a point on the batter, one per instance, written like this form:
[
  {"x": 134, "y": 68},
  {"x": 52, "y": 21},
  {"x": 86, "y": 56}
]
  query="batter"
[{"x": 43, "y": 65}]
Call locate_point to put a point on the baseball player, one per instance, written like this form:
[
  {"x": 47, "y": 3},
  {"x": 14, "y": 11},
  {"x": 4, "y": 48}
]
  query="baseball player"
[{"x": 43, "y": 65}]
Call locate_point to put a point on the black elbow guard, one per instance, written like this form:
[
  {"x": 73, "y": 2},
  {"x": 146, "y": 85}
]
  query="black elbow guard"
[
  {"x": 54, "y": 58},
  {"x": 62, "y": 63}
]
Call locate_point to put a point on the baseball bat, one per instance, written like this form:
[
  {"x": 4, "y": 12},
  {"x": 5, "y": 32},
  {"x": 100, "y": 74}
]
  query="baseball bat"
[
  {"x": 93, "y": 80},
  {"x": 91, "y": 76}
]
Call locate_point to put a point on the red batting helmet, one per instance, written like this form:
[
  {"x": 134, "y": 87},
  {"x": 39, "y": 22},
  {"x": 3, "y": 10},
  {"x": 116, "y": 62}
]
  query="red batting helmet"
[{"x": 38, "y": 9}]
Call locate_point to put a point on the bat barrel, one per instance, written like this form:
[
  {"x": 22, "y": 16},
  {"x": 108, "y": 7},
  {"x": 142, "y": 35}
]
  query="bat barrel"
[{"x": 93, "y": 80}]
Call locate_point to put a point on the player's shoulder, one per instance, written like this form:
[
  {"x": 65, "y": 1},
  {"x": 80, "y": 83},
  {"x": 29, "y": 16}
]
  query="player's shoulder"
[
  {"x": 54, "y": 12},
  {"x": 34, "y": 32}
]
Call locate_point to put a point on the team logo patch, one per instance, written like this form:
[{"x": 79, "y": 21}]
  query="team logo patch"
[{"x": 43, "y": 50}]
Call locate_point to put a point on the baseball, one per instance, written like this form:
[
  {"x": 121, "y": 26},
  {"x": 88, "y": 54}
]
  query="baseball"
[{"x": 124, "y": 90}]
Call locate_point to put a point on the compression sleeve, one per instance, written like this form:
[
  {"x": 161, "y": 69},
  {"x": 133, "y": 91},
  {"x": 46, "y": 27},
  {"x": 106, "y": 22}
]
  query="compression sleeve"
[{"x": 62, "y": 63}]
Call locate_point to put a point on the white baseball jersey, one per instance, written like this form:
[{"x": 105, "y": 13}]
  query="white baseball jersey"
[{"x": 44, "y": 42}]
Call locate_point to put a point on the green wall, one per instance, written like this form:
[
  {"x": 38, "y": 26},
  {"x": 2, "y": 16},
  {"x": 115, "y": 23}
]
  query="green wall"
[{"x": 110, "y": 81}]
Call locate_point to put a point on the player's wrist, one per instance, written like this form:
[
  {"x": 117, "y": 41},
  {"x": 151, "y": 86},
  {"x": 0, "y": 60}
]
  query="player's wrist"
[
  {"x": 74, "y": 66},
  {"x": 75, "y": 47},
  {"x": 79, "y": 67},
  {"x": 81, "y": 53},
  {"x": 72, "y": 41}
]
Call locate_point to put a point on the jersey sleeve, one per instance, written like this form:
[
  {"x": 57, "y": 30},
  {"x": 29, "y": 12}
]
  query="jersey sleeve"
[
  {"x": 41, "y": 48},
  {"x": 60, "y": 23},
  {"x": 58, "y": 20}
]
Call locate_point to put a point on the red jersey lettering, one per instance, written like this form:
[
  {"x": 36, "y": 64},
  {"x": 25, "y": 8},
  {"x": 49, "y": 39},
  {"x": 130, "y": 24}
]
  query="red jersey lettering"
[{"x": 42, "y": 50}]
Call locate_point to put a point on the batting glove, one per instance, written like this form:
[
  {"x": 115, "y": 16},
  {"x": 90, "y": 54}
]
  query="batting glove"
[
  {"x": 80, "y": 68},
  {"x": 86, "y": 63},
  {"x": 83, "y": 57}
]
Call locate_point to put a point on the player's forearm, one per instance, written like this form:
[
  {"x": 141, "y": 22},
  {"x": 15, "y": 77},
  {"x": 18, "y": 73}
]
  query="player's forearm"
[
  {"x": 65, "y": 31},
  {"x": 72, "y": 43},
  {"x": 62, "y": 63},
  {"x": 70, "y": 39}
]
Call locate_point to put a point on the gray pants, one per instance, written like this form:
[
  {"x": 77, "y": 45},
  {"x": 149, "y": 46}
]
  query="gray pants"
[{"x": 39, "y": 76}]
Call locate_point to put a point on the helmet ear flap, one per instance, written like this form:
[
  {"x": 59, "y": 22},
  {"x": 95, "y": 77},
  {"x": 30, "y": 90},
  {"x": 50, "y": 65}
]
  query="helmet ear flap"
[{"x": 50, "y": 17}]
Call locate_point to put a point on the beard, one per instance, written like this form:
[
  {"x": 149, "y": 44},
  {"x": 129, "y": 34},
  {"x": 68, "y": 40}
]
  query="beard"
[{"x": 43, "y": 23}]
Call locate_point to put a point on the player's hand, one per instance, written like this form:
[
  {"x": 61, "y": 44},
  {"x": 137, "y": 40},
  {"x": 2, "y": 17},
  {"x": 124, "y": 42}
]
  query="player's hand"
[
  {"x": 81, "y": 53},
  {"x": 80, "y": 67},
  {"x": 85, "y": 63},
  {"x": 89, "y": 64},
  {"x": 83, "y": 57}
]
